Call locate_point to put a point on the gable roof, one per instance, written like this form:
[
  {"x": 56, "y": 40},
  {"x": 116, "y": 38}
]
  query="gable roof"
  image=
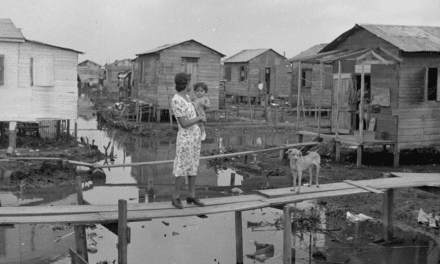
[
  {"x": 8, "y": 31},
  {"x": 92, "y": 62},
  {"x": 247, "y": 55},
  {"x": 311, "y": 51},
  {"x": 167, "y": 46},
  {"x": 406, "y": 38},
  {"x": 53, "y": 46}
]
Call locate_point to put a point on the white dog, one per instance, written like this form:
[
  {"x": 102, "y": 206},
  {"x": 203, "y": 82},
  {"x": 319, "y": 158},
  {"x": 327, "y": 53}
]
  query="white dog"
[{"x": 300, "y": 163}]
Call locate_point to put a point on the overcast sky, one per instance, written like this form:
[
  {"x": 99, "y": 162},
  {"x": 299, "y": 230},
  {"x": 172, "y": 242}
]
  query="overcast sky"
[{"x": 107, "y": 30}]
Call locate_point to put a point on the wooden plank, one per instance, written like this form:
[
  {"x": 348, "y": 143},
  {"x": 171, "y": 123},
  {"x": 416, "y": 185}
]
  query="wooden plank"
[
  {"x": 188, "y": 211},
  {"x": 363, "y": 186},
  {"x": 282, "y": 192},
  {"x": 415, "y": 175},
  {"x": 287, "y": 235},
  {"x": 317, "y": 195}
]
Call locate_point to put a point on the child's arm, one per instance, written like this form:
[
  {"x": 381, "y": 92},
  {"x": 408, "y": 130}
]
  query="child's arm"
[{"x": 206, "y": 103}]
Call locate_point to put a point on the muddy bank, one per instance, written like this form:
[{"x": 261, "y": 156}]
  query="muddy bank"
[{"x": 34, "y": 174}]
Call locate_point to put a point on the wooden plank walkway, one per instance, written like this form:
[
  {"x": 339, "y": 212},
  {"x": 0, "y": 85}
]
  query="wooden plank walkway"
[{"x": 101, "y": 214}]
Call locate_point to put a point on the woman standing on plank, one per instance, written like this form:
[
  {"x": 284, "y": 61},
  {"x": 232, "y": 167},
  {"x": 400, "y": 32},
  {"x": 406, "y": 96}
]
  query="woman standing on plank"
[{"x": 188, "y": 142}]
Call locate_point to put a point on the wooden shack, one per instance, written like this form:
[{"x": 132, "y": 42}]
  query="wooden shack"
[
  {"x": 111, "y": 79},
  {"x": 38, "y": 81},
  {"x": 89, "y": 72},
  {"x": 397, "y": 67},
  {"x": 154, "y": 72},
  {"x": 244, "y": 71},
  {"x": 311, "y": 79}
]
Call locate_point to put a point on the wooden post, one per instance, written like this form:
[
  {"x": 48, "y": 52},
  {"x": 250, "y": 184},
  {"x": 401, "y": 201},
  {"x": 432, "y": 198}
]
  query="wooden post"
[
  {"x": 300, "y": 138},
  {"x": 76, "y": 131},
  {"x": 291, "y": 87},
  {"x": 68, "y": 128},
  {"x": 80, "y": 230},
  {"x": 122, "y": 232},
  {"x": 266, "y": 106},
  {"x": 246, "y": 159},
  {"x": 287, "y": 235},
  {"x": 338, "y": 151},
  {"x": 337, "y": 98},
  {"x": 12, "y": 137},
  {"x": 396, "y": 155},
  {"x": 2, "y": 133},
  {"x": 321, "y": 90},
  {"x": 58, "y": 129},
  {"x": 299, "y": 96},
  {"x": 388, "y": 202},
  {"x": 361, "y": 105},
  {"x": 238, "y": 237},
  {"x": 360, "y": 150},
  {"x": 232, "y": 179},
  {"x": 76, "y": 259}
]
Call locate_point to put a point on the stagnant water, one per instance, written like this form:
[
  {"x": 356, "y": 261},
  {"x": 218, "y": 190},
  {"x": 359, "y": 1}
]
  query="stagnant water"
[{"x": 192, "y": 239}]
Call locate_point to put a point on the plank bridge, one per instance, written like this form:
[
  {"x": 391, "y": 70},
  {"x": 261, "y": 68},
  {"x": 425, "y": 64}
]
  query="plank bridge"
[{"x": 122, "y": 213}]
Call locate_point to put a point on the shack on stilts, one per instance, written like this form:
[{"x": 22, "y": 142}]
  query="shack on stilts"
[{"x": 385, "y": 88}]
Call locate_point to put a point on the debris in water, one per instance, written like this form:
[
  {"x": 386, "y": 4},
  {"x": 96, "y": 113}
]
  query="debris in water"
[
  {"x": 92, "y": 249},
  {"x": 202, "y": 216},
  {"x": 428, "y": 220},
  {"x": 253, "y": 224},
  {"x": 175, "y": 233},
  {"x": 165, "y": 223},
  {"x": 236, "y": 191},
  {"x": 263, "y": 252},
  {"x": 358, "y": 218}
]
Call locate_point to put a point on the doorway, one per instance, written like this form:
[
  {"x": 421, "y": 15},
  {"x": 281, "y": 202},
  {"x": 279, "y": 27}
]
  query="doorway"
[{"x": 267, "y": 79}]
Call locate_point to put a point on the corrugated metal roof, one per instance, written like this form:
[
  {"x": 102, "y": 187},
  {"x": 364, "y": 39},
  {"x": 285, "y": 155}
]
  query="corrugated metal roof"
[
  {"x": 166, "y": 46},
  {"x": 408, "y": 38},
  {"x": 312, "y": 51},
  {"x": 9, "y": 32},
  {"x": 245, "y": 55}
]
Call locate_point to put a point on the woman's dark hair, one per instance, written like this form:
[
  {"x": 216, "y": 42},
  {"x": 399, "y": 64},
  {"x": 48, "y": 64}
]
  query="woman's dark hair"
[
  {"x": 181, "y": 80},
  {"x": 201, "y": 85}
]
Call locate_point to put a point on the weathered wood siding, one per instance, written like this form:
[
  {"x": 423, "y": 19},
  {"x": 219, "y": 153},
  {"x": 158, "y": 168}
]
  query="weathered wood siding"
[
  {"x": 311, "y": 94},
  {"x": 161, "y": 87},
  {"x": 112, "y": 78},
  {"x": 419, "y": 120},
  {"x": 146, "y": 90},
  {"x": 386, "y": 76},
  {"x": 23, "y": 102},
  {"x": 279, "y": 81}
]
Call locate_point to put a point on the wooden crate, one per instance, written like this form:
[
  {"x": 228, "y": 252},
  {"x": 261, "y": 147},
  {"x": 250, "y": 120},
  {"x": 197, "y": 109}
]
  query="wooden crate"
[{"x": 366, "y": 135}]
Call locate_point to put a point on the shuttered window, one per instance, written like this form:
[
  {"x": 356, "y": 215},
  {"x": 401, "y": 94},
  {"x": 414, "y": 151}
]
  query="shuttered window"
[
  {"x": 243, "y": 74},
  {"x": 2, "y": 69},
  {"x": 43, "y": 71}
]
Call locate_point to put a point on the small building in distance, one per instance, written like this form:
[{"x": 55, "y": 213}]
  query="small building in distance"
[
  {"x": 89, "y": 72},
  {"x": 244, "y": 71},
  {"x": 154, "y": 71},
  {"x": 111, "y": 80},
  {"x": 38, "y": 81},
  {"x": 311, "y": 79}
]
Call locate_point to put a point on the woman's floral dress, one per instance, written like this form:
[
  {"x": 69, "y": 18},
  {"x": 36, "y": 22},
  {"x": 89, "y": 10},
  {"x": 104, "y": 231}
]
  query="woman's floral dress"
[{"x": 188, "y": 139}]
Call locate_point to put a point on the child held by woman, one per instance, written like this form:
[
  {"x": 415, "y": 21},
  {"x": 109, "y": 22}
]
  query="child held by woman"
[{"x": 202, "y": 103}]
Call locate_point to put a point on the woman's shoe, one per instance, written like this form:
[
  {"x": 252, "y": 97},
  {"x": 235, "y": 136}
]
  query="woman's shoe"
[
  {"x": 194, "y": 200},
  {"x": 176, "y": 202}
]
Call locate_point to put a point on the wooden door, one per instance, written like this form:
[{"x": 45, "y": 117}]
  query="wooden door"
[
  {"x": 190, "y": 66},
  {"x": 267, "y": 79},
  {"x": 345, "y": 94}
]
